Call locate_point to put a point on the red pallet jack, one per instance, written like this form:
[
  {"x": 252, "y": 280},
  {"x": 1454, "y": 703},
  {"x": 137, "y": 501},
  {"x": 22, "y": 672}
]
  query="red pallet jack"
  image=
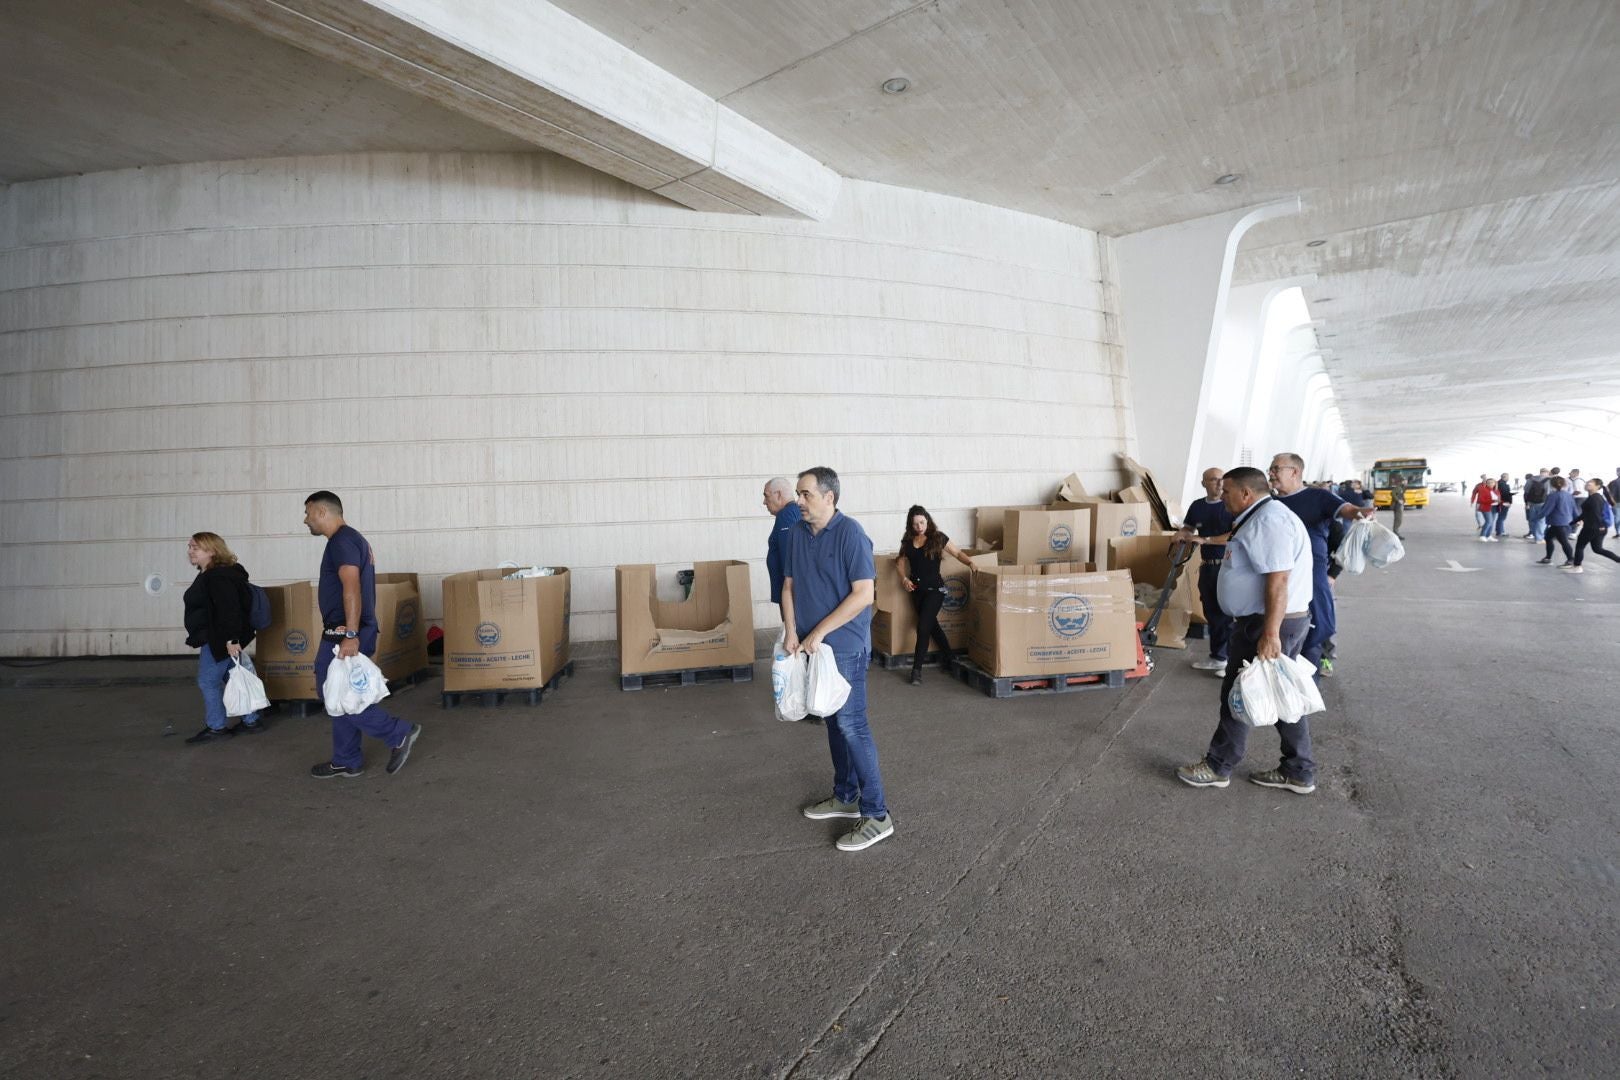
[{"x": 1147, "y": 633}]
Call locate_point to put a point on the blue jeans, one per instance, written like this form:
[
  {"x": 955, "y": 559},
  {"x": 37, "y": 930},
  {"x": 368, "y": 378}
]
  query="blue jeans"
[
  {"x": 1324, "y": 618},
  {"x": 1501, "y": 519},
  {"x": 854, "y": 752},
  {"x": 211, "y": 678},
  {"x": 1486, "y": 520},
  {"x": 374, "y": 721},
  {"x": 1535, "y": 514},
  {"x": 1231, "y": 739},
  {"x": 1218, "y": 623}
]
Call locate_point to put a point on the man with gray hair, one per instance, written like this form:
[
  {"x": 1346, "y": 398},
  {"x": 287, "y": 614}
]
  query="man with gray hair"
[{"x": 780, "y": 504}]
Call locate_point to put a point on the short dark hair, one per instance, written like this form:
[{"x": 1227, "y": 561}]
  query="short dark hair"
[
  {"x": 1247, "y": 476},
  {"x": 1559, "y": 483},
  {"x": 326, "y": 498},
  {"x": 826, "y": 480}
]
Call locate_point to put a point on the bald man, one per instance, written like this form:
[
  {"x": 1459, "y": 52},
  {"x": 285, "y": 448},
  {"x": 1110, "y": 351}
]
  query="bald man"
[
  {"x": 1209, "y": 519},
  {"x": 781, "y": 503}
]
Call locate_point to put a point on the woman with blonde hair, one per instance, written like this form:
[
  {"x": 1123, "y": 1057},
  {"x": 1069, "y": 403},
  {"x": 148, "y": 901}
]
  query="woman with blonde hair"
[{"x": 217, "y": 626}]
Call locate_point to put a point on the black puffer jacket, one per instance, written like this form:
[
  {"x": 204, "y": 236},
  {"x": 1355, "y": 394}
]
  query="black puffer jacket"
[{"x": 217, "y": 610}]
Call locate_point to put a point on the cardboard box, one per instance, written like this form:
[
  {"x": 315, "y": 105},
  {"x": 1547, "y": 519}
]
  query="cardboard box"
[
  {"x": 505, "y": 633},
  {"x": 1042, "y": 536},
  {"x": 1052, "y": 619},
  {"x": 1072, "y": 490},
  {"x": 284, "y": 651},
  {"x": 894, "y": 618},
  {"x": 1148, "y": 560},
  {"x": 988, "y": 524},
  {"x": 713, "y": 627}
]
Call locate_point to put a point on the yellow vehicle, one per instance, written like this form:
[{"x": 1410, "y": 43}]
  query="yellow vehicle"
[{"x": 1415, "y": 471}]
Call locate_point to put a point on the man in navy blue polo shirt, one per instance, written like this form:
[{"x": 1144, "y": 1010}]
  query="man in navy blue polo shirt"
[
  {"x": 1316, "y": 508},
  {"x": 1209, "y": 518},
  {"x": 347, "y": 597},
  {"x": 781, "y": 505},
  {"x": 827, "y": 599}
]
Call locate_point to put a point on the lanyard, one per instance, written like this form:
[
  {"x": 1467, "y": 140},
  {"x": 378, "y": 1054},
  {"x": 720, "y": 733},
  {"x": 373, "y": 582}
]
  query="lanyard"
[{"x": 1247, "y": 514}]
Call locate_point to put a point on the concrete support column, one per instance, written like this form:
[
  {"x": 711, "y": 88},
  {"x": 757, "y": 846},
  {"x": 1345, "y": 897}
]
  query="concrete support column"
[{"x": 1173, "y": 285}]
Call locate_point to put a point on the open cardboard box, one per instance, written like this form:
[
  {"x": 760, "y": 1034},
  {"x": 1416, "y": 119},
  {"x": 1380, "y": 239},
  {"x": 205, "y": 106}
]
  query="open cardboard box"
[
  {"x": 713, "y": 627},
  {"x": 284, "y": 651},
  {"x": 504, "y": 633}
]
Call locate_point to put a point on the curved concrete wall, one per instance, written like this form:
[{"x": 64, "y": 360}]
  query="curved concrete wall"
[{"x": 501, "y": 357}]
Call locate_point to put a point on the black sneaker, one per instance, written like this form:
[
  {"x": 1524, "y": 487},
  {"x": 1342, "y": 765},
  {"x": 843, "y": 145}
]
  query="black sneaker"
[
  {"x": 209, "y": 734},
  {"x": 402, "y": 752},
  {"x": 245, "y": 728},
  {"x": 1544, "y": 562},
  {"x": 326, "y": 771},
  {"x": 916, "y": 677}
]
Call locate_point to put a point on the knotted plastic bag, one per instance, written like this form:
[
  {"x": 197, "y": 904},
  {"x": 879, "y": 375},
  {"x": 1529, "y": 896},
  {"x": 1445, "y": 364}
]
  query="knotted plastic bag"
[
  {"x": 790, "y": 679},
  {"x": 1383, "y": 546},
  {"x": 244, "y": 691},
  {"x": 353, "y": 684},
  {"x": 828, "y": 689}
]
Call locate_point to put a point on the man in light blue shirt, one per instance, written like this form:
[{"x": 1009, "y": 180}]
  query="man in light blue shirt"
[{"x": 1265, "y": 584}]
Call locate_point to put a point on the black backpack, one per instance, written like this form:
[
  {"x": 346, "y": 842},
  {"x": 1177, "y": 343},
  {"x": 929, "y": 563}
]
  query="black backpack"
[{"x": 1535, "y": 489}]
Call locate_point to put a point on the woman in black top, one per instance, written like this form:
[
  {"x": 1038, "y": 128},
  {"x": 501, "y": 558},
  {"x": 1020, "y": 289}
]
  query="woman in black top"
[
  {"x": 1593, "y": 526},
  {"x": 217, "y": 626},
  {"x": 921, "y": 551}
]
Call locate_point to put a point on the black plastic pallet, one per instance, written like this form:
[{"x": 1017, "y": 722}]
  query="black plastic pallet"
[
  {"x": 1009, "y": 686},
  {"x": 527, "y": 695},
  {"x": 688, "y": 677},
  {"x": 303, "y": 707},
  {"x": 889, "y": 662}
]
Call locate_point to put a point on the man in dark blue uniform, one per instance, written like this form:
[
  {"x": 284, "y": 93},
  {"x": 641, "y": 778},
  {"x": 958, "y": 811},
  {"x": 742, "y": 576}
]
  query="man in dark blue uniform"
[
  {"x": 1316, "y": 508},
  {"x": 781, "y": 504},
  {"x": 827, "y": 599},
  {"x": 347, "y": 598},
  {"x": 1210, "y": 519}
]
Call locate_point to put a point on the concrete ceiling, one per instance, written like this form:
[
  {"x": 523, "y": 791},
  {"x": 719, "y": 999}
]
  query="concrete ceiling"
[{"x": 1460, "y": 157}]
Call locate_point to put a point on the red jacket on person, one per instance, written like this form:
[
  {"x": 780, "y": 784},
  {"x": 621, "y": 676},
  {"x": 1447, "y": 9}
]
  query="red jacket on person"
[{"x": 1486, "y": 497}]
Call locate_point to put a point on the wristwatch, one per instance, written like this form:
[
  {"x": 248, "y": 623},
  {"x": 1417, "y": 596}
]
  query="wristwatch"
[{"x": 351, "y": 633}]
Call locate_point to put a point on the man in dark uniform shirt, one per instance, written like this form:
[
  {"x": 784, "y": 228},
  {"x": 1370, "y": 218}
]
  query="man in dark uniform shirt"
[{"x": 1210, "y": 519}]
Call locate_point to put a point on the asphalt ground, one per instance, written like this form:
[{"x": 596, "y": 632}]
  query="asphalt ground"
[{"x": 620, "y": 884}]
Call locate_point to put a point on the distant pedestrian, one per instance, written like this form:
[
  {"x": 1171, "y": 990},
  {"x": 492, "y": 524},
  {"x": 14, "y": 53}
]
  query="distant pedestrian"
[
  {"x": 347, "y": 598},
  {"x": 1397, "y": 500},
  {"x": 1485, "y": 499},
  {"x": 1535, "y": 504},
  {"x": 1504, "y": 490},
  {"x": 1596, "y": 518},
  {"x": 1209, "y": 519},
  {"x": 922, "y": 549},
  {"x": 217, "y": 626},
  {"x": 1560, "y": 514},
  {"x": 1614, "y": 499}
]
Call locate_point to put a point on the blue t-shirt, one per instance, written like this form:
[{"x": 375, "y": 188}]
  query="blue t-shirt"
[
  {"x": 347, "y": 547},
  {"x": 1316, "y": 508},
  {"x": 776, "y": 549},
  {"x": 1208, "y": 518},
  {"x": 824, "y": 567}
]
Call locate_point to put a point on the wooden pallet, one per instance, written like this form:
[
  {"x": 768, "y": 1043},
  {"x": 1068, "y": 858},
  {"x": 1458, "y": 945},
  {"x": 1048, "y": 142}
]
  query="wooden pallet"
[
  {"x": 889, "y": 662},
  {"x": 1009, "y": 686},
  {"x": 688, "y": 677},
  {"x": 527, "y": 695}
]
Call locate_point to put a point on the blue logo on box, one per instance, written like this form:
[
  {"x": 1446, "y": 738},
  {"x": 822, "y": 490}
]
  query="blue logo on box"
[
  {"x": 956, "y": 594},
  {"x": 488, "y": 635},
  {"x": 405, "y": 620},
  {"x": 1069, "y": 616},
  {"x": 1060, "y": 538},
  {"x": 296, "y": 642},
  {"x": 1128, "y": 527}
]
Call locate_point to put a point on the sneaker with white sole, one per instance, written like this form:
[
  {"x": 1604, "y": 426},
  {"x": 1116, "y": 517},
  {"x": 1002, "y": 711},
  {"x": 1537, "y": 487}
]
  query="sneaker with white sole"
[
  {"x": 1199, "y": 774},
  {"x": 866, "y": 833},
  {"x": 1276, "y": 778},
  {"x": 1210, "y": 665},
  {"x": 831, "y": 808},
  {"x": 1572, "y": 569}
]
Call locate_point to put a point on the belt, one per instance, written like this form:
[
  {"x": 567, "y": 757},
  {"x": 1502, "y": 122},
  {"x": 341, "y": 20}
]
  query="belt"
[{"x": 1286, "y": 615}]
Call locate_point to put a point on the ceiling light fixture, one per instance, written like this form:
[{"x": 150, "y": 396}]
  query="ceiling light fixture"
[
  {"x": 1315, "y": 243},
  {"x": 896, "y": 85},
  {"x": 1228, "y": 178}
]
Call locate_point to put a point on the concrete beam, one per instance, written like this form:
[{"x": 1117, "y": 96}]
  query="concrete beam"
[{"x": 531, "y": 69}]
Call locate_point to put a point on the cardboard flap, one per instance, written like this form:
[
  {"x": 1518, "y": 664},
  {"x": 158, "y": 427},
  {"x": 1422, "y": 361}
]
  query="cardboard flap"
[{"x": 1072, "y": 490}]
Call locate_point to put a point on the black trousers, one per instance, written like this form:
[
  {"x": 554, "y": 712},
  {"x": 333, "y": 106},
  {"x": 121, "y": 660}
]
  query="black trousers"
[
  {"x": 927, "y": 603},
  {"x": 1559, "y": 533},
  {"x": 1593, "y": 538}
]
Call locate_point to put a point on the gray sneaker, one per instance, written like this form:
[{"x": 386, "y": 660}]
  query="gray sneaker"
[
  {"x": 868, "y": 832},
  {"x": 1199, "y": 774},
  {"x": 831, "y": 808},
  {"x": 1275, "y": 778}
]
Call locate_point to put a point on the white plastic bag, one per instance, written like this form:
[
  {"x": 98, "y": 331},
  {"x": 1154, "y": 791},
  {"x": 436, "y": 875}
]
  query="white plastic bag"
[
  {"x": 1352, "y": 551},
  {"x": 353, "y": 684},
  {"x": 828, "y": 690},
  {"x": 1383, "y": 546},
  {"x": 1297, "y": 677},
  {"x": 1253, "y": 699},
  {"x": 244, "y": 691},
  {"x": 1275, "y": 691},
  {"x": 790, "y": 677}
]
